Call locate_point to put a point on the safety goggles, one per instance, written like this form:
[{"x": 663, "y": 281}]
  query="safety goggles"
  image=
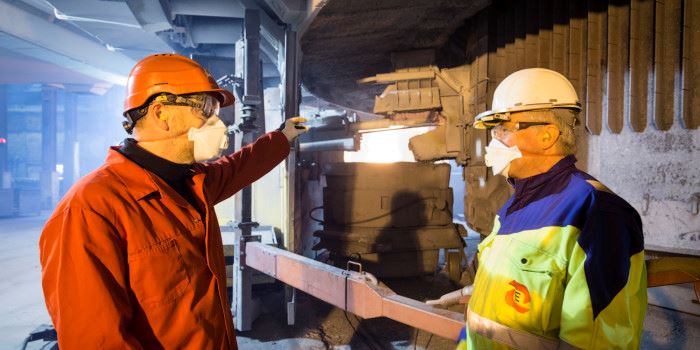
[
  {"x": 500, "y": 132},
  {"x": 208, "y": 105}
]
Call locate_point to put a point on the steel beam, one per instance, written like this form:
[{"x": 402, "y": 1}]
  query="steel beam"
[
  {"x": 352, "y": 291},
  {"x": 151, "y": 15},
  {"x": 36, "y": 37},
  {"x": 270, "y": 30}
]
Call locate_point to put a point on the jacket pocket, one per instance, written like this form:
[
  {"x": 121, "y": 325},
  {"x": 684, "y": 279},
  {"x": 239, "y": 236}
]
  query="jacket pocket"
[
  {"x": 537, "y": 286},
  {"x": 158, "y": 274}
]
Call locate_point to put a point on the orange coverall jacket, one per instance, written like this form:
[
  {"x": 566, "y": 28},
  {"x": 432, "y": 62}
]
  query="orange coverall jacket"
[{"x": 127, "y": 263}]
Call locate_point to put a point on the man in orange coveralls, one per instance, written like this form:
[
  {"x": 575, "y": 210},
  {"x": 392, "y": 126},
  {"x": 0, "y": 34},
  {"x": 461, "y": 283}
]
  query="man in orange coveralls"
[{"x": 132, "y": 257}]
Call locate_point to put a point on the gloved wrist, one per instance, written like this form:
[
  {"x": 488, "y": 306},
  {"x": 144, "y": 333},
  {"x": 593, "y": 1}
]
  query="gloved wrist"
[{"x": 293, "y": 127}]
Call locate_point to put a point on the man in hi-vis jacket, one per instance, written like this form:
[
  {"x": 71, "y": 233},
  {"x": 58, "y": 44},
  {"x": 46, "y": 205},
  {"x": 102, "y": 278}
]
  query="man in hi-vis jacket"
[{"x": 564, "y": 265}]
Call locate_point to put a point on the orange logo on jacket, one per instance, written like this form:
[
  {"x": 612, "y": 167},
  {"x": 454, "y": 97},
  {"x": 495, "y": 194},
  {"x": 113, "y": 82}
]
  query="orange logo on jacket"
[{"x": 518, "y": 297}]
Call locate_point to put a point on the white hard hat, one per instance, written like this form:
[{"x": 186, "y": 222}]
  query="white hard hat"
[{"x": 528, "y": 89}]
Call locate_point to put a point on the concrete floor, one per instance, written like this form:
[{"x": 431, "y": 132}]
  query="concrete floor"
[{"x": 318, "y": 326}]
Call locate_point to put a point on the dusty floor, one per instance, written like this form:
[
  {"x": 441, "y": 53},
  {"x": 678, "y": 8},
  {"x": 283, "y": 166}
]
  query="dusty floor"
[{"x": 318, "y": 325}]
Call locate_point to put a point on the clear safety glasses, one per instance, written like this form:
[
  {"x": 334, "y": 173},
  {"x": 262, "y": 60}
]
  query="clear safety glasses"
[
  {"x": 208, "y": 105},
  {"x": 500, "y": 132}
]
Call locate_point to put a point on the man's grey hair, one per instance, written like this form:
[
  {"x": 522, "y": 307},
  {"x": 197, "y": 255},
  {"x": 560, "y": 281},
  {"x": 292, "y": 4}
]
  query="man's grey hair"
[{"x": 565, "y": 119}]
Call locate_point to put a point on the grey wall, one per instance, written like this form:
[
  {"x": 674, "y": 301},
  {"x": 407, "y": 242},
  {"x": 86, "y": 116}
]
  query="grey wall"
[{"x": 658, "y": 172}]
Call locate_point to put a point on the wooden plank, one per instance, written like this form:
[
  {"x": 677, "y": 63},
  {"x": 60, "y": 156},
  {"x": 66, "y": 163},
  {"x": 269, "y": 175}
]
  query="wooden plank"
[
  {"x": 618, "y": 52},
  {"x": 531, "y": 34},
  {"x": 641, "y": 58},
  {"x": 596, "y": 63},
  {"x": 544, "y": 54},
  {"x": 691, "y": 65},
  {"x": 560, "y": 36},
  {"x": 666, "y": 61}
]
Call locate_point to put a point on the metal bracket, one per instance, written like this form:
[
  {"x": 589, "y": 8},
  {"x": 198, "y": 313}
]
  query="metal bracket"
[
  {"x": 355, "y": 263},
  {"x": 241, "y": 245},
  {"x": 291, "y": 307}
]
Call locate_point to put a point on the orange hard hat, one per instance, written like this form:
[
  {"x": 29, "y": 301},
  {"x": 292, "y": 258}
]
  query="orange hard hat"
[{"x": 170, "y": 73}]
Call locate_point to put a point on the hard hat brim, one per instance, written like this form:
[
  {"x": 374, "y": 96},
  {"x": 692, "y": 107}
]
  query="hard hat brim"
[
  {"x": 224, "y": 96},
  {"x": 503, "y": 115}
]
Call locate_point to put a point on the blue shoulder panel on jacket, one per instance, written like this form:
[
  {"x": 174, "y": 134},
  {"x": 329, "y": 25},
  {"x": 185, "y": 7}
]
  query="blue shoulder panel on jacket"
[{"x": 611, "y": 236}]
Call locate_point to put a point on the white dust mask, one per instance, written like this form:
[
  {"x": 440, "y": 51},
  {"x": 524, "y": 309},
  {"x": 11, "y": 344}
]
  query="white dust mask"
[
  {"x": 499, "y": 156},
  {"x": 209, "y": 140}
]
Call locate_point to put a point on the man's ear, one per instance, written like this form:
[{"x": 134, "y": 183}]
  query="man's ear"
[
  {"x": 159, "y": 116},
  {"x": 548, "y": 136}
]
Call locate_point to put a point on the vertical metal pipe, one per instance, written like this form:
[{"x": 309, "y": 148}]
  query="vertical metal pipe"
[
  {"x": 243, "y": 303},
  {"x": 291, "y": 98},
  {"x": 252, "y": 81},
  {"x": 252, "y": 100},
  {"x": 291, "y": 76},
  {"x": 49, "y": 190}
]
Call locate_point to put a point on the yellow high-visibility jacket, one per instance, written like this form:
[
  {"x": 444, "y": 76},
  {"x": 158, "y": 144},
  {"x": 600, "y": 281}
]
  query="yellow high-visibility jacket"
[{"x": 563, "y": 268}]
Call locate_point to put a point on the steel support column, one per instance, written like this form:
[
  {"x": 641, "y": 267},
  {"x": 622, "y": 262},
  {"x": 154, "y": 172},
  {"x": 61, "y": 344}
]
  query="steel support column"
[
  {"x": 49, "y": 188},
  {"x": 252, "y": 126},
  {"x": 252, "y": 75},
  {"x": 291, "y": 98}
]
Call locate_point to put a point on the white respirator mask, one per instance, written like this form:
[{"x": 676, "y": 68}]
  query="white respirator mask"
[
  {"x": 499, "y": 156},
  {"x": 209, "y": 140}
]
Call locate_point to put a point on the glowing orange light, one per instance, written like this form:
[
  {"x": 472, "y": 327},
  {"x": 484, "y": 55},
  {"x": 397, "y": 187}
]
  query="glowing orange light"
[{"x": 388, "y": 146}]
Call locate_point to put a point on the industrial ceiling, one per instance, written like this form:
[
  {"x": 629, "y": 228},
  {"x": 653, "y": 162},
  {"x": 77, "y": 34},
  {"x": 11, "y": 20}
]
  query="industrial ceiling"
[{"x": 101, "y": 40}]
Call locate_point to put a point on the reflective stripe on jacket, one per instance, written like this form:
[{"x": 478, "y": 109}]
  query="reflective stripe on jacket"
[
  {"x": 127, "y": 263},
  {"x": 563, "y": 267}
]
